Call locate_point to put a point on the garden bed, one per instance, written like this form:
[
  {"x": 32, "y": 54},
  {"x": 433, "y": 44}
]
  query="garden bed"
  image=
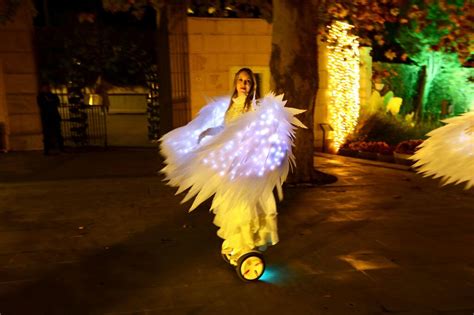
[{"x": 381, "y": 151}]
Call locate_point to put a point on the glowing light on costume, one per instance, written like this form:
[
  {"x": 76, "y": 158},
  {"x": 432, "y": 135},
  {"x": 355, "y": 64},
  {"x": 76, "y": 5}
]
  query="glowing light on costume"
[
  {"x": 238, "y": 167},
  {"x": 344, "y": 76},
  {"x": 267, "y": 152},
  {"x": 448, "y": 153}
]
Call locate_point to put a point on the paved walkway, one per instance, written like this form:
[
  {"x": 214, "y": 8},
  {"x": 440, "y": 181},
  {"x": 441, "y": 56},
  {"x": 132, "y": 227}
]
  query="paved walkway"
[{"x": 99, "y": 233}]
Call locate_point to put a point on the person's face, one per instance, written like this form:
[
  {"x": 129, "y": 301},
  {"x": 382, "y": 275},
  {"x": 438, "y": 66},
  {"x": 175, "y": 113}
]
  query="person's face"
[{"x": 243, "y": 83}]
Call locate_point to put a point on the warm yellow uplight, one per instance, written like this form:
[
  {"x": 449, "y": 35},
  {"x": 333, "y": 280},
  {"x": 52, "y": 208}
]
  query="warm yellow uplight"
[{"x": 343, "y": 75}]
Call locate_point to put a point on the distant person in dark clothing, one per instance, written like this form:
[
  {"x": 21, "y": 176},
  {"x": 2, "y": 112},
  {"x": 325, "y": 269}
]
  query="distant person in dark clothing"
[{"x": 48, "y": 103}]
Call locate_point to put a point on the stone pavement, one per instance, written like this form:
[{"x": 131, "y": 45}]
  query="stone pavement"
[{"x": 98, "y": 233}]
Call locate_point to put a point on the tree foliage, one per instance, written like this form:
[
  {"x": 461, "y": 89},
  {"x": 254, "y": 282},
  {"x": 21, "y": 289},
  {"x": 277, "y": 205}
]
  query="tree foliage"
[
  {"x": 416, "y": 25},
  {"x": 231, "y": 8},
  {"x": 8, "y": 10},
  {"x": 198, "y": 8},
  {"x": 83, "y": 53},
  {"x": 400, "y": 78},
  {"x": 135, "y": 7}
]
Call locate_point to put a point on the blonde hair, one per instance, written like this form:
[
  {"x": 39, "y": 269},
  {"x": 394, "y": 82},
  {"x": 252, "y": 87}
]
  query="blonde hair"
[{"x": 253, "y": 95}]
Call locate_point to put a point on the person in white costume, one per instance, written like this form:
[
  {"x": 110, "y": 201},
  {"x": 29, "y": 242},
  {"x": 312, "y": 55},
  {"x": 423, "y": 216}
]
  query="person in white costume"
[
  {"x": 448, "y": 153},
  {"x": 238, "y": 150}
]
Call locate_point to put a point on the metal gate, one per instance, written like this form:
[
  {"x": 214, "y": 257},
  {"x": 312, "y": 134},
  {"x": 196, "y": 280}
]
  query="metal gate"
[{"x": 83, "y": 125}]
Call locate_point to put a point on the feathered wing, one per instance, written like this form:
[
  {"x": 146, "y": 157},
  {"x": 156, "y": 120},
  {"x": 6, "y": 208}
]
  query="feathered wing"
[
  {"x": 449, "y": 152},
  {"x": 241, "y": 166},
  {"x": 178, "y": 146}
]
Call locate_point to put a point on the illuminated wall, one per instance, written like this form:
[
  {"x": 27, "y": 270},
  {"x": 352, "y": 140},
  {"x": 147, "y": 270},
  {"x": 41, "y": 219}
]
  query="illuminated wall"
[
  {"x": 19, "y": 113},
  {"x": 343, "y": 81},
  {"x": 215, "y": 51}
]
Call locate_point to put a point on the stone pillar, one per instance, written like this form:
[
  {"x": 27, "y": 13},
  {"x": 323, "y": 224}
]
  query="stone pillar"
[{"x": 19, "y": 88}]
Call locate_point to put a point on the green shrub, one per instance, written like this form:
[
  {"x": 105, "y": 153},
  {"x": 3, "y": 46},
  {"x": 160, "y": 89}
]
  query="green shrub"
[{"x": 388, "y": 128}]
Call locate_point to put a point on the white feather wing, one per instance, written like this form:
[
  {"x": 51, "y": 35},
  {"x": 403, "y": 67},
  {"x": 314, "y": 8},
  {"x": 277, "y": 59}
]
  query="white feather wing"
[
  {"x": 178, "y": 146},
  {"x": 448, "y": 153},
  {"x": 240, "y": 167}
]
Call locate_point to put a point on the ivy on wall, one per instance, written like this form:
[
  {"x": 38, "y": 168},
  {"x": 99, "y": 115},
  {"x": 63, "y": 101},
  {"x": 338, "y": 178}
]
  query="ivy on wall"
[{"x": 153, "y": 105}]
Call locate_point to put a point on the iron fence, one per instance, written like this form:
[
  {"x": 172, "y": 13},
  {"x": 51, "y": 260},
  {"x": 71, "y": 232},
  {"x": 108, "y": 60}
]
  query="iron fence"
[{"x": 83, "y": 125}]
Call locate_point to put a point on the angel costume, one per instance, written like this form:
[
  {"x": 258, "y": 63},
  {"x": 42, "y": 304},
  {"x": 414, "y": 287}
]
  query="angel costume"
[
  {"x": 240, "y": 165},
  {"x": 449, "y": 151}
]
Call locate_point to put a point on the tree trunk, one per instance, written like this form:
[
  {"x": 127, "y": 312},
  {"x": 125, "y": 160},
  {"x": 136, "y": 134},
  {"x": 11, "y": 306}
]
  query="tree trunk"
[
  {"x": 293, "y": 65},
  {"x": 164, "y": 73},
  {"x": 419, "y": 98},
  {"x": 429, "y": 71}
]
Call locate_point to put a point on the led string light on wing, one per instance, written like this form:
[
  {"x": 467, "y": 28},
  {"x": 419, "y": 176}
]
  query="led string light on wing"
[
  {"x": 250, "y": 157},
  {"x": 191, "y": 140},
  {"x": 266, "y": 145},
  {"x": 344, "y": 76}
]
